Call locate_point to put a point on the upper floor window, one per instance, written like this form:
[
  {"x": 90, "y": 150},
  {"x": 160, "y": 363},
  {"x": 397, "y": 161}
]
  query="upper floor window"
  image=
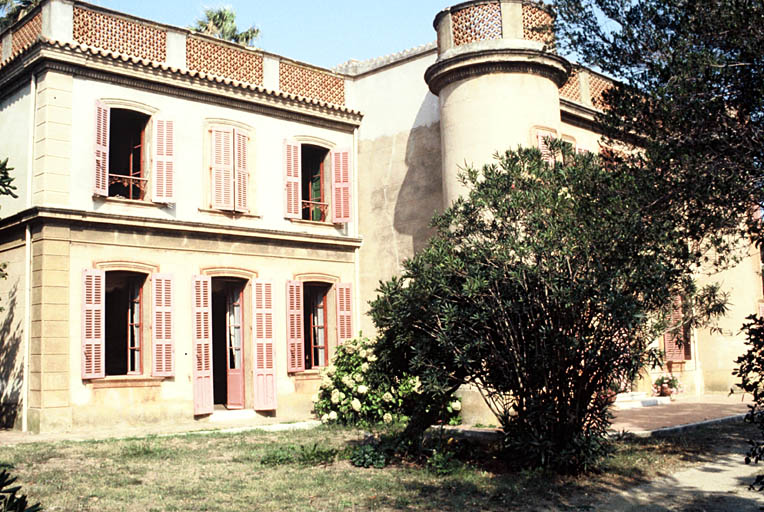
[
  {"x": 317, "y": 183},
  {"x": 122, "y": 159},
  {"x": 229, "y": 173}
]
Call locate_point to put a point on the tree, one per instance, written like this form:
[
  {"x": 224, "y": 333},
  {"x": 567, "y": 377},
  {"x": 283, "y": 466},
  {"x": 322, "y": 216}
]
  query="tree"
[
  {"x": 6, "y": 189},
  {"x": 221, "y": 23},
  {"x": 13, "y": 10},
  {"x": 543, "y": 287}
]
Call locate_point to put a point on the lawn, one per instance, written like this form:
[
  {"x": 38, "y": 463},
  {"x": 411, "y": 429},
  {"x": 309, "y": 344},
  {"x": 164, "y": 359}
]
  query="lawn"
[{"x": 259, "y": 470}]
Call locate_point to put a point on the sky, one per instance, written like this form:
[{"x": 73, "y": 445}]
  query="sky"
[{"x": 323, "y": 33}]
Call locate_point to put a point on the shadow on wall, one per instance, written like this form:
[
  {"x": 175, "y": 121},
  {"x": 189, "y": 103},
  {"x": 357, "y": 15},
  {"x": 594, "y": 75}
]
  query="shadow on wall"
[
  {"x": 421, "y": 192},
  {"x": 10, "y": 348}
]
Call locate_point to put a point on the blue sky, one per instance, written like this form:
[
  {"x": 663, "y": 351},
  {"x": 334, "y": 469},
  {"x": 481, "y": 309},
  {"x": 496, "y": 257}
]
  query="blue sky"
[{"x": 323, "y": 33}]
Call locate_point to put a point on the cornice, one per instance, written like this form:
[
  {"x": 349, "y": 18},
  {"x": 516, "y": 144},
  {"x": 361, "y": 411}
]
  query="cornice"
[
  {"x": 99, "y": 220},
  {"x": 103, "y": 65},
  {"x": 579, "y": 115},
  {"x": 496, "y": 60}
]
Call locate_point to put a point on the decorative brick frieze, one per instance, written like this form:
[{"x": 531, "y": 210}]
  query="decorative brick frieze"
[
  {"x": 476, "y": 22},
  {"x": 537, "y": 24},
  {"x": 119, "y": 35},
  {"x": 311, "y": 83},
  {"x": 223, "y": 60},
  {"x": 26, "y": 34},
  {"x": 598, "y": 85},
  {"x": 572, "y": 88}
]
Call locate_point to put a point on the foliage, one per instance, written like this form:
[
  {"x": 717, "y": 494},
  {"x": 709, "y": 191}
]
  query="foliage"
[
  {"x": 221, "y": 23},
  {"x": 542, "y": 287},
  {"x": 355, "y": 391},
  {"x": 750, "y": 369},
  {"x": 671, "y": 381},
  {"x": 10, "y": 501},
  {"x": 13, "y": 10},
  {"x": 305, "y": 455},
  {"x": 368, "y": 455}
]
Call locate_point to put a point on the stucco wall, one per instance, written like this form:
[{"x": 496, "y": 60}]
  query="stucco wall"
[
  {"x": 14, "y": 145},
  {"x": 400, "y": 164},
  {"x": 12, "y": 301}
]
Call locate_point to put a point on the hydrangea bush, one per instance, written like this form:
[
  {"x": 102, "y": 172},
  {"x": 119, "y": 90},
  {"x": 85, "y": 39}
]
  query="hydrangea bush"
[{"x": 353, "y": 391}]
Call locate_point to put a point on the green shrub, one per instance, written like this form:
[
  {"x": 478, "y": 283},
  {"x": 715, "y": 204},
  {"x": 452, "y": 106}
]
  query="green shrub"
[{"x": 368, "y": 455}]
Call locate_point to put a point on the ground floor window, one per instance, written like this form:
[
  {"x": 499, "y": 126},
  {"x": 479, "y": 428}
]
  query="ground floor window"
[{"x": 123, "y": 343}]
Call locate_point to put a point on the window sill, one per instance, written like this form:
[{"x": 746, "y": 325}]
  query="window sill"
[
  {"x": 312, "y": 374},
  {"x": 229, "y": 213},
  {"x": 313, "y": 222},
  {"x": 132, "y": 202},
  {"x": 126, "y": 381}
]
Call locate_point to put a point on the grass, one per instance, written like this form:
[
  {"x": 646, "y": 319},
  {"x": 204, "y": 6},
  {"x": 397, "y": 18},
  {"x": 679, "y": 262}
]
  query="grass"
[{"x": 309, "y": 470}]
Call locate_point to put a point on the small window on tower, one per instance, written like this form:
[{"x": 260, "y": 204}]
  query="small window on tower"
[{"x": 127, "y": 154}]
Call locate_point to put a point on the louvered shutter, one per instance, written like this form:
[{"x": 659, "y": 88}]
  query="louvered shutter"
[
  {"x": 293, "y": 190},
  {"x": 295, "y": 338},
  {"x": 546, "y": 154},
  {"x": 674, "y": 338},
  {"x": 221, "y": 168},
  {"x": 202, "y": 369},
  {"x": 163, "y": 190},
  {"x": 101, "y": 178},
  {"x": 265, "y": 364},
  {"x": 241, "y": 192},
  {"x": 341, "y": 179},
  {"x": 93, "y": 323},
  {"x": 163, "y": 350},
  {"x": 344, "y": 313}
]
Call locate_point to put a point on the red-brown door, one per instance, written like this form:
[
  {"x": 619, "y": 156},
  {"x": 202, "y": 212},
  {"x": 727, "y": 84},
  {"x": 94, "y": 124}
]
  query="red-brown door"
[{"x": 234, "y": 349}]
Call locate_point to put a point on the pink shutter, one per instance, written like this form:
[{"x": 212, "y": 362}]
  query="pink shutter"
[
  {"x": 221, "y": 168},
  {"x": 292, "y": 170},
  {"x": 241, "y": 143},
  {"x": 202, "y": 311},
  {"x": 93, "y": 325},
  {"x": 341, "y": 179},
  {"x": 101, "y": 186},
  {"x": 672, "y": 340},
  {"x": 344, "y": 313},
  {"x": 265, "y": 367},
  {"x": 295, "y": 339},
  {"x": 546, "y": 154},
  {"x": 164, "y": 163},
  {"x": 163, "y": 360}
]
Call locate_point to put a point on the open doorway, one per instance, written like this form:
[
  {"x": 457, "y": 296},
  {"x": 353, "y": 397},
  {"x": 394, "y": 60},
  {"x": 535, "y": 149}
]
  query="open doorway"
[{"x": 227, "y": 342}]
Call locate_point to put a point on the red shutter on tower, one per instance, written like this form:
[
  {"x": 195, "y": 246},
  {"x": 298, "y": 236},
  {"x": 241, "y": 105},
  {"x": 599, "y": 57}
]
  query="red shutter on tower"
[
  {"x": 241, "y": 192},
  {"x": 221, "y": 168},
  {"x": 546, "y": 154},
  {"x": 101, "y": 179},
  {"x": 672, "y": 339},
  {"x": 163, "y": 190},
  {"x": 295, "y": 339},
  {"x": 93, "y": 323},
  {"x": 202, "y": 356},
  {"x": 341, "y": 178},
  {"x": 163, "y": 351},
  {"x": 293, "y": 190},
  {"x": 265, "y": 365},
  {"x": 344, "y": 313}
]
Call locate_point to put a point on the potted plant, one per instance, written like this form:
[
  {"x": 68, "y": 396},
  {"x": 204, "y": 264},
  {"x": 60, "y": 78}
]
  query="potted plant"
[{"x": 666, "y": 385}]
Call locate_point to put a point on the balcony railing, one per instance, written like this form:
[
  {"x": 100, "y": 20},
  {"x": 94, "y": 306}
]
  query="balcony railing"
[
  {"x": 130, "y": 187},
  {"x": 315, "y": 211}
]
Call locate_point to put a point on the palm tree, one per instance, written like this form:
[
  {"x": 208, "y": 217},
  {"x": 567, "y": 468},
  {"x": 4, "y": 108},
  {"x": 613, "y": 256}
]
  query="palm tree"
[
  {"x": 13, "y": 10},
  {"x": 221, "y": 23}
]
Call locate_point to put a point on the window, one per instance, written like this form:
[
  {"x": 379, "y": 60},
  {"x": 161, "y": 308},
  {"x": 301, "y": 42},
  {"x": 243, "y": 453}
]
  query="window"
[
  {"x": 541, "y": 137},
  {"x": 122, "y": 159},
  {"x": 114, "y": 316},
  {"x": 312, "y": 173},
  {"x": 676, "y": 341},
  {"x": 308, "y": 322},
  {"x": 229, "y": 175}
]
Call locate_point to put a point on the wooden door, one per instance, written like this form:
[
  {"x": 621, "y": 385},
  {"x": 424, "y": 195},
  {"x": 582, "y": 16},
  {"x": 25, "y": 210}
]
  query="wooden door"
[
  {"x": 202, "y": 307},
  {"x": 234, "y": 349}
]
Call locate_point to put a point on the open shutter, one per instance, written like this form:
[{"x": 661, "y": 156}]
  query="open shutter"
[
  {"x": 265, "y": 367},
  {"x": 221, "y": 168},
  {"x": 163, "y": 353},
  {"x": 241, "y": 142},
  {"x": 202, "y": 310},
  {"x": 546, "y": 154},
  {"x": 672, "y": 340},
  {"x": 344, "y": 313},
  {"x": 295, "y": 338},
  {"x": 101, "y": 180},
  {"x": 341, "y": 179},
  {"x": 93, "y": 323},
  {"x": 163, "y": 190},
  {"x": 293, "y": 190}
]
